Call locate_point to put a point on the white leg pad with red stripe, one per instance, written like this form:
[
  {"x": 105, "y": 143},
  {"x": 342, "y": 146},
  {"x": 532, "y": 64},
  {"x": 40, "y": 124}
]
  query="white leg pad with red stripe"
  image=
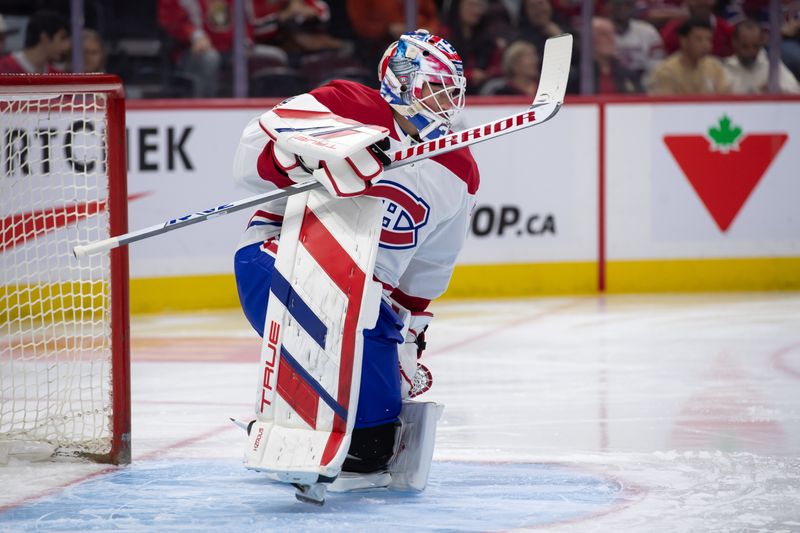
[{"x": 321, "y": 299}]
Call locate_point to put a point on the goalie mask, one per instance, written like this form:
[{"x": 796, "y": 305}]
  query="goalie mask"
[{"x": 422, "y": 78}]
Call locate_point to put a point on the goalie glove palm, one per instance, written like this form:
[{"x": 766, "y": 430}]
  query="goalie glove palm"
[
  {"x": 415, "y": 378},
  {"x": 308, "y": 138},
  {"x": 290, "y": 164}
]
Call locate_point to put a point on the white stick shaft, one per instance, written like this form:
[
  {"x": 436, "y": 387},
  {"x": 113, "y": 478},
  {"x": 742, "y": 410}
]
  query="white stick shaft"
[
  {"x": 194, "y": 218},
  {"x": 536, "y": 114},
  {"x": 545, "y": 106}
]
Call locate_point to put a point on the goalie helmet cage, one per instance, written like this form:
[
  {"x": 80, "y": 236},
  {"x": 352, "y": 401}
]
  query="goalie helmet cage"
[{"x": 64, "y": 326}]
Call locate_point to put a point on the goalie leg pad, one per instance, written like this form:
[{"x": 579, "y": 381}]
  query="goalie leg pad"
[
  {"x": 380, "y": 394},
  {"x": 321, "y": 299}
]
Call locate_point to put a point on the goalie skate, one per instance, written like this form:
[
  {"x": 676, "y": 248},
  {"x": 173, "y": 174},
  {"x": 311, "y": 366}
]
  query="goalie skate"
[{"x": 409, "y": 468}]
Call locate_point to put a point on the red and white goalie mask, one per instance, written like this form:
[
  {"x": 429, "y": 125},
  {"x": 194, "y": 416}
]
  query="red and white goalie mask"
[{"x": 422, "y": 78}]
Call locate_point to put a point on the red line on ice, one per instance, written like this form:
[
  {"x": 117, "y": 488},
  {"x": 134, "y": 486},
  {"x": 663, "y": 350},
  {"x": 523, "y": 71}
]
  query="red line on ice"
[{"x": 779, "y": 360}]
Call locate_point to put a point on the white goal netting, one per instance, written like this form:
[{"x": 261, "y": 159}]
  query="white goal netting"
[{"x": 55, "y": 312}]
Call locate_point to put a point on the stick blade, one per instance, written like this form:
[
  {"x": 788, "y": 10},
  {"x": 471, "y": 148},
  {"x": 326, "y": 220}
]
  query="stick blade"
[{"x": 555, "y": 69}]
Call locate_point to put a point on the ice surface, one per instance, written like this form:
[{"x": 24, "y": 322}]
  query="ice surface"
[
  {"x": 624, "y": 413},
  {"x": 220, "y": 495}
]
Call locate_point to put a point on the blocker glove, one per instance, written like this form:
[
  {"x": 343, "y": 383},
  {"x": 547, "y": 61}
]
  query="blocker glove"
[{"x": 308, "y": 140}]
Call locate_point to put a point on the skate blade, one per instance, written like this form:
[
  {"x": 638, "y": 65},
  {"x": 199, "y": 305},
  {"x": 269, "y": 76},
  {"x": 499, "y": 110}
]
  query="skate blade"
[
  {"x": 242, "y": 424},
  {"x": 313, "y": 494},
  {"x": 351, "y": 482}
]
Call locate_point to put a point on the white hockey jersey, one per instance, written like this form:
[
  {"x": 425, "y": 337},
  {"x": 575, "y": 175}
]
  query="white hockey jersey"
[{"x": 427, "y": 204}]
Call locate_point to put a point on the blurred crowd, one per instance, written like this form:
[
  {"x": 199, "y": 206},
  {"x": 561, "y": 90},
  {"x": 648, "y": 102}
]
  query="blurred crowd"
[{"x": 184, "y": 48}]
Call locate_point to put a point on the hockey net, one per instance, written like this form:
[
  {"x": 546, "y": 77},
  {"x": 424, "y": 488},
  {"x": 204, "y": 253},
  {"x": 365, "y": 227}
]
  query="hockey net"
[{"x": 64, "y": 370}]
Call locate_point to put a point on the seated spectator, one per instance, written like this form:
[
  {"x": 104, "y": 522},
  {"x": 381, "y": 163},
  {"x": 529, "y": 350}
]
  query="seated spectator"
[
  {"x": 790, "y": 31},
  {"x": 610, "y": 76},
  {"x": 470, "y": 29},
  {"x": 520, "y": 69},
  {"x": 690, "y": 70},
  {"x": 203, "y": 32},
  {"x": 659, "y": 12},
  {"x": 46, "y": 43},
  {"x": 94, "y": 52},
  {"x": 748, "y": 67},
  {"x": 638, "y": 44},
  {"x": 536, "y": 24},
  {"x": 700, "y": 9},
  {"x": 758, "y": 11},
  {"x": 377, "y": 23},
  {"x": 298, "y": 26},
  {"x": 568, "y": 13},
  {"x": 4, "y": 32},
  {"x": 510, "y": 8}
]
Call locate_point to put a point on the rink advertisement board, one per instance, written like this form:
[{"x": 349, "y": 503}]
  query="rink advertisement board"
[
  {"x": 616, "y": 196},
  {"x": 537, "y": 192},
  {"x": 702, "y": 195},
  {"x": 537, "y": 196}
]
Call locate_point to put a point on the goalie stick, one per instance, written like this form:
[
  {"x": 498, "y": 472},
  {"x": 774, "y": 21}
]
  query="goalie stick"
[{"x": 547, "y": 102}]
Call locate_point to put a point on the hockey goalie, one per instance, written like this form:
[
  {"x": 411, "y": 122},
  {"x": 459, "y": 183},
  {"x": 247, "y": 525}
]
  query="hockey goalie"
[{"x": 337, "y": 281}]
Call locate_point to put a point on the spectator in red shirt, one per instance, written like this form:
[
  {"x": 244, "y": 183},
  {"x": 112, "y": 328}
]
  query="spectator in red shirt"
[
  {"x": 203, "y": 30},
  {"x": 294, "y": 25},
  {"x": 46, "y": 42},
  {"x": 701, "y": 9},
  {"x": 659, "y": 12}
]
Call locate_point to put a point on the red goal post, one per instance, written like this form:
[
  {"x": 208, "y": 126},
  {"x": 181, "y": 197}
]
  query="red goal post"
[{"x": 64, "y": 326}]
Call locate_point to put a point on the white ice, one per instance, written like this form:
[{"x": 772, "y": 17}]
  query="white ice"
[{"x": 618, "y": 413}]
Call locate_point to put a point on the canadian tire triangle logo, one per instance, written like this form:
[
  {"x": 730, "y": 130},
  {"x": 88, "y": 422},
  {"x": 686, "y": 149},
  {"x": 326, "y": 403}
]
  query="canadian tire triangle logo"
[{"x": 724, "y": 167}]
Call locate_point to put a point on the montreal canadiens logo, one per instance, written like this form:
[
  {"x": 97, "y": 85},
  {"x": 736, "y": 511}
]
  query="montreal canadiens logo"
[{"x": 403, "y": 216}]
